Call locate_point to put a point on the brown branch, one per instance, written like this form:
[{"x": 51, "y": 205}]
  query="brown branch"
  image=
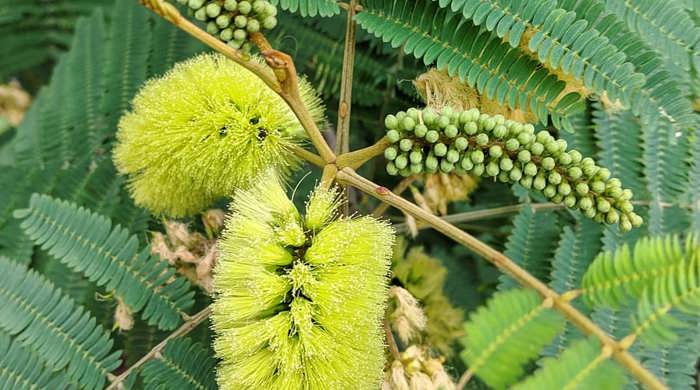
[
  {"x": 401, "y": 187},
  {"x": 502, "y": 262},
  {"x": 185, "y": 328}
]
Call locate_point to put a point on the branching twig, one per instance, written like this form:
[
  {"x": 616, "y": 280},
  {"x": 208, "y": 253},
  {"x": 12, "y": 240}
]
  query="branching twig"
[
  {"x": 398, "y": 190},
  {"x": 181, "y": 331},
  {"x": 644, "y": 376}
]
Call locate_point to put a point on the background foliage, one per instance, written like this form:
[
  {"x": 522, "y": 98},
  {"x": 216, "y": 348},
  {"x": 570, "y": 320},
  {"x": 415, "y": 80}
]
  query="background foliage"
[{"x": 84, "y": 60}]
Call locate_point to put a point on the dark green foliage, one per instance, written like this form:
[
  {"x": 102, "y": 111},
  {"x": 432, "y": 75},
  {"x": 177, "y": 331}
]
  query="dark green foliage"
[
  {"x": 108, "y": 256},
  {"x": 182, "y": 364},
  {"x": 61, "y": 333},
  {"x": 309, "y": 7},
  {"x": 22, "y": 369}
]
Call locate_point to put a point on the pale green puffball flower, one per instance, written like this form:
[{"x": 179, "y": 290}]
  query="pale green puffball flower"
[
  {"x": 302, "y": 315},
  {"x": 204, "y": 129}
]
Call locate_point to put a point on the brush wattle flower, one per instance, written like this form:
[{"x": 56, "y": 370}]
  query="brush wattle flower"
[
  {"x": 299, "y": 300},
  {"x": 204, "y": 129}
]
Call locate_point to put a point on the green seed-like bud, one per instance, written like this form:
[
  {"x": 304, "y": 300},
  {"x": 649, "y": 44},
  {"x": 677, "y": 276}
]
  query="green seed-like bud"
[
  {"x": 590, "y": 170},
  {"x": 440, "y": 149},
  {"x": 530, "y": 169},
  {"x": 489, "y": 124},
  {"x": 200, "y": 14},
  {"x": 625, "y": 225},
  {"x": 259, "y": 7},
  {"x": 443, "y": 121},
  {"x": 564, "y": 189},
  {"x": 230, "y": 5},
  {"x": 598, "y": 187},
  {"x": 565, "y": 159},
  {"x": 390, "y": 153},
  {"x": 585, "y": 203},
  {"x": 614, "y": 183},
  {"x": 452, "y": 156},
  {"x": 614, "y": 192},
  {"x": 390, "y": 122},
  {"x": 549, "y": 191},
  {"x": 406, "y": 172},
  {"x": 636, "y": 220},
  {"x": 447, "y": 111},
  {"x": 512, "y": 144},
  {"x": 537, "y": 149},
  {"x": 603, "y": 205},
  {"x": 235, "y": 44},
  {"x": 470, "y": 128},
  {"x": 477, "y": 157},
  {"x": 413, "y": 113},
  {"x": 271, "y": 10},
  {"x": 432, "y": 136},
  {"x": 554, "y": 178},
  {"x": 576, "y": 156},
  {"x": 492, "y": 169},
  {"x": 401, "y": 161},
  {"x": 478, "y": 169},
  {"x": 253, "y": 26},
  {"x": 429, "y": 116},
  {"x": 464, "y": 117},
  {"x": 213, "y": 10},
  {"x": 603, "y": 174},
  {"x": 195, "y": 4},
  {"x": 524, "y": 138},
  {"x": 391, "y": 169},
  {"x": 482, "y": 139},
  {"x": 416, "y": 157},
  {"x": 570, "y": 201},
  {"x": 495, "y": 151},
  {"x": 500, "y": 131},
  {"x": 213, "y": 29},
  {"x": 393, "y": 136},
  {"x": 474, "y": 114},
  {"x": 446, "y": 166},
  {"x": 406, "y": 144},
  {"x": 408, "y": 123},
  {"x": 244, "y": 7},
  {"x": 240, "y": 35},
  {"x": 582, "y": 188},
  {"x": 626, "y": 194},
  {"x": 612, "y": 217},
  {"x": 575, "y": 173},
  {"x": 500, "y": 119},
  {"x": 451, "y": 131},
  {"x": 506, "y": 164},
  {"x": 240, "y": 21},
  {"x": 544, "y": 137},
  {"x": 590, "y": 213},
  {"x": 269, "y": 22},
  {"x": 223, "y": 20},
  {"x": 526, "y": 182},
  {"x": 515, "y": 174},
  {"x": 467, "y": 164},
  {"x": 524, "y": 156},
  {"x": 548, "y": 163},
  {"x": 421, "y": 130},
  {"x": 626, "y": 207},
  {"x": 431, "y": 162},
  {"x": 461, "y": 144},
  {"x": 416, "y": 168},
  {"x": 503, "y": 177},
  {"x": 539, "y": 183},
  {"x": 557, "y": 198}
]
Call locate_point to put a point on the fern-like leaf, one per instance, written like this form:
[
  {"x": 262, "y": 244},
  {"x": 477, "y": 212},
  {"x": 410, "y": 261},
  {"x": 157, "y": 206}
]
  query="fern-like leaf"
[
  {"x": 181, "y": 365},
  {"x": 581, "y": 366},
  {"x": 507, "y": 333},
  {"x": 438, "y": 35},
  {"x": 618, "y": 277},
  {"x": 560, "y": 39},
  {"x": 61, "y": 333},
  {"x": 107, "y": 255},
  {"x": 309, "y": 7},
  {"x": 21, "y": 369}
]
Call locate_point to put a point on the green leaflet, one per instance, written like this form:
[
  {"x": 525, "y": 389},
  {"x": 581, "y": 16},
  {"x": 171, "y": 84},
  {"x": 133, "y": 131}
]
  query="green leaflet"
[
  {"x": 309, "y": 7},
  {"x": 183, "y": 364},
  {"x": 581, "y": 366},
  {"x": 22, "y": 369},
  {"x": 561, "y": 40},
  {"x": 62, "y": 334},
  {"x": 440, "y": 36},
  {"x": 109, "y": 256},
  {"x": 507, "y": 333}
]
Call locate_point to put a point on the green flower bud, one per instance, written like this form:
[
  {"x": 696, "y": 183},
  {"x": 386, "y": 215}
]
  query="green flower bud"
[
  {"x": 240, "y": 21},
  {"x": 443, "y": 121},
  {"x": 590, "y": 170},
  {"x": 240, "y": 35},
  {"x": 495, "y": 151},
  {"x": 413, "y": 113},
  {"x": 603, "y": 174},
  {"x": 235, "y": 44},
  {"x": 213, "y": 10},
  {"x": 590, "y": 213},
  {"x": 478, "y": 169},
  {"x": 461, "y": 144},
  {"x": 626, "y": 194},
  {"x": 636, "y": 220},
  {"x": 195, "y": 4},
  {"x": 565, "y": 159},
  {"x": 564, "y": 189},
  {"x": 431, "y": 162},
  {"x": 390, "y": 153},
  {"x": 548, "y": 163},
  {"x": 440, "y": 149},
  {"x": 429, "y": 116},
  {"x": 524, "y": 156},
  {"x": 474, "y": 114},
  {"x": 544, "y": 137},
  {"x": 524, "y": 138},
  {"x": 420, "y": 131},
  {"x": 390, "y": 122},
  {"x": 585, "y": 203},
  {"x": 393, "y": 136},
  {"x": 201, "y": 14},
  {"x": 539, "y": 182},
  {"x": 406, "y": 172},
  {"x": 271, "y": 10},
  {"x": 259, "y": 7},
  {"x": 253, "y": 26},
  {"x": 598, "y": 187},
  {"x": 464, "y": 117},
  {"x": 526, "y": 182},
  {"x": 452, "y": 156},
  {"x": 612, "y": 217},
  {"x": 432, "y": 136},
  {"x": 625, "y": 225},
  {"x": 231, "y": 5},
  {"x": 500, "y": 119},
  {"x": 512, "y": 145},
  {"x": 223, "y": 20},
  {"x": 406, "y": 144},
  {"x": 482, "y": 139},
  {"x": 506, "y": 164},
  {"x": 467, "y": 164},
  {"x": 626, "y": 207},
  {"x": 582, "y": 188},
  {"x": 269, "y": 22},
  {"x": 401, "y": 161},
  {"x": 554, "y": 178},
  {"x": 477, "y": 157},
  {"x": 408, "y": 123},
  {"x": 489, "y": 124},
  {"x": 515, "y": 174},
  {"x": 575, "y": 173},
  {"x": 576, "y": 156},
  {"x": 244, "y": 7},
  {"x": 503, "y": 177},
  {"x": 446, "y": 166},
  {"x": 500, "y": 131},
  {"x": 530, "y": 169},
  {"x": 557, "y": 198},
  {"x": 537, "y": 149},
  {"x": 213, "y": 29},
  {"x": 447, "y": 111},
  {"x": 451, "y": 131},
  {"x": 391, "y": 169},
  {"x": 614, "y": 192},
  {"x": 549, "y": 191},
  {"x": 603, "y": 205},
  {"x": 470, "y": 128},
  {"x": 570, "y": 201},
  {"x": 614, "y": 183},
  {"x": 416, "y": 169},
  {"x": 492, "y": 169},
  {"x": 416, "y": 157}
]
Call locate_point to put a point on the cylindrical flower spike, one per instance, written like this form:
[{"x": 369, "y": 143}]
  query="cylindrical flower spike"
[
  {"x": 204, "y": 129},
  {"x": 302, "y": 315},
  {"x": 480, "y": 144}
]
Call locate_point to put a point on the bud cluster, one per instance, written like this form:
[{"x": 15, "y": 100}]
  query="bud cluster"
[
  {"x": 233, "y": 20},
  {"x": 469, "y": 142}
]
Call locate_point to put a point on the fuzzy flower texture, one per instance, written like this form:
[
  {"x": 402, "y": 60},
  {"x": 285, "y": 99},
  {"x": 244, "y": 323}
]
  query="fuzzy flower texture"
[
  {"x": 470, "y": 142},
  {"x": 207, "y": 127},
  {"x": 299, "y": 300}
]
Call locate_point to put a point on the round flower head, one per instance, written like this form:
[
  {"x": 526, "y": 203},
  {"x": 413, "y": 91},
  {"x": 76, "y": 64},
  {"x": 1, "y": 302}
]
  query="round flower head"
[
  {"x": 207, "y": 127},
  {"x": 299, "y": 314}
]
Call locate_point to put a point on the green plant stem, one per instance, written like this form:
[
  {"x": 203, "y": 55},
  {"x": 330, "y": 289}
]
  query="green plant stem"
[
  {"x": 401, "y": 187},
  {"x": 185, "y": 328},
  {"x": 311, "y": 157},
  {"x": 502, "y": 262},
  {"x": 357, "y": 158}
]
